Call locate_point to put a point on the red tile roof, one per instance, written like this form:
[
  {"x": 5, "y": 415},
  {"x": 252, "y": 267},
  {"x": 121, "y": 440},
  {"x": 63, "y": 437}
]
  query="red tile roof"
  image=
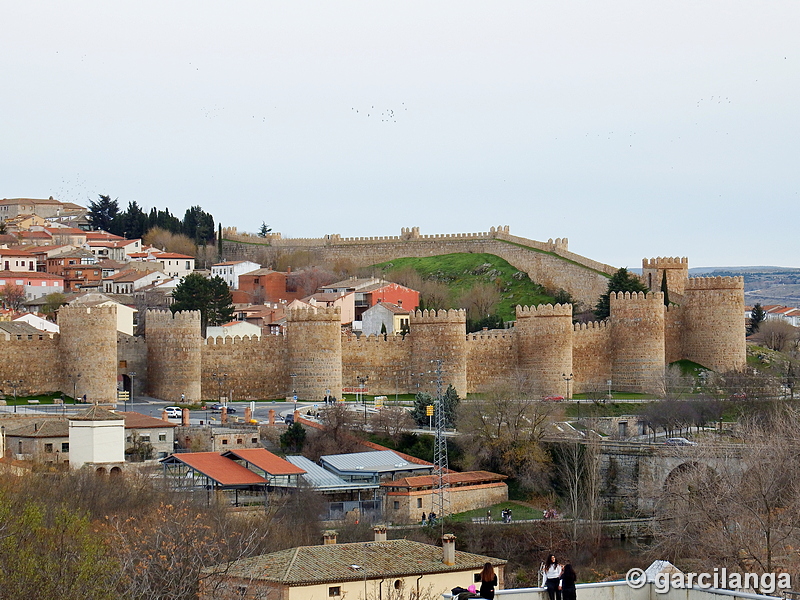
[
  {"x": 222, "y": 470},
  {"x": 171, "y": 255},
  {"x": 265, "y": 460},
  {"x": 134, "y": 420},
  {"x": 467, "y": 478}
]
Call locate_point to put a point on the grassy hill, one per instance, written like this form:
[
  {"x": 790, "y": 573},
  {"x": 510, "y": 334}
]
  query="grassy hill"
[{"x": 460, "y": 272}]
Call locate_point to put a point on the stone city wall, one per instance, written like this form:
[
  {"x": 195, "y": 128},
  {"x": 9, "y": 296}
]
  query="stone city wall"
[
  {"x": 174, "y": 355},
  {"x": 385, "y": 361},
  {"x": 34, "y": 362},
  {"x": 439, "y": 336},
  {"x": 314, "y": 351},
  {"x": 248, "y": 368},
  {"x": 490, "y": 359},
  {"x": 132, "y": 358},
  {"x": 88, "y": 346},
  {"x": 591, "y": 356},
  {"x": 637, "y": 331},
  {"x": 544, "y": 347}
]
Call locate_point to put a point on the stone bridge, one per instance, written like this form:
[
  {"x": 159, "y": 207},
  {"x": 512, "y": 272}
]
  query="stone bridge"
[{"x": 633, "y": 475}]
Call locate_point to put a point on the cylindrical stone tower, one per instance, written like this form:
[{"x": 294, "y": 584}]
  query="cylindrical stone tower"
[
  {"x": 637, "y": 333},
  {"x": 544, "y": 348},
  {"x": 314, "y": 340},
  {"x": 713, "y": 322},
  {"x": 439, "y": 336},
  {"x": 174, "y": 355},
  {"x": 88, "y": 345}
]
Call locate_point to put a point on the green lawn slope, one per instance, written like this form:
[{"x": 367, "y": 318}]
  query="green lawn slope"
[{"x": 462, "y": 271}]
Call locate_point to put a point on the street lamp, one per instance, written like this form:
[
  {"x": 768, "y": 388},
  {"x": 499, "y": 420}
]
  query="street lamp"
[
  {"x": 609, "y": 389},
  {"x": 220, "y": 379},
  {"x": 15, "y": 385},
  {"x": 75, "y": 388},
  {"x": 361, "y": 381},
  {"x": 567, "y": 379},
  {"x": 133, "y": 380},
  {"x": 294, "y": 390}
]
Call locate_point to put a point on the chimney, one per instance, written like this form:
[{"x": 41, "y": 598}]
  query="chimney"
[
  {"x": 272, "y": 416},
  {"x": 248, "y": 414},
  {"x": 328, "y": 537},
  {"x": 185, "y": 417},
  {"x": 223, "y": 416},
  {"x": 380, "y": 533},
  {"x": 449, "y": 549},
  {"x": 164, "y": 415}
]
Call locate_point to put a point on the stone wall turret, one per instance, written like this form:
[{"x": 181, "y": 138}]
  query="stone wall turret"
[
  {"x": 676, "y": 269},
  {"x": 88, "y": 347},
  {"x": 544, "y": 347},
  {"x": 713, "y": 322},
  {"x": 174, "y": 355},
  {"x": 314, "y": 338},
  {"x": 441, "y": 336},
  {"x": 637, "y": 331}
]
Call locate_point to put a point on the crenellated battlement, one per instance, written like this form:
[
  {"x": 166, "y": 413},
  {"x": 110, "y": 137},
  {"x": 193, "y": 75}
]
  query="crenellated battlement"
[
  {"x": 591, "y": 326},
  {"x": 544, "y": 310},
  {"x": 423, "y": 317},
  {"x": 666, "y": 262},
  {"x": 165, "y": 318},
  {"x": 491, "y": 335},
  {"x": 319, "y": 313},
  {"x": 650, "y": 297},
  {"x": 373, "y": 339},
  {"x": 714, "y": 283},
  {"x": 86, "y": 312}
]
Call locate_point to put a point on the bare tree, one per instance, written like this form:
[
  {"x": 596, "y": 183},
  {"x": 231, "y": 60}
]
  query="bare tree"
[
  {"x": 308, "y": 281},
  {"x": 171, "y": 242},
  {"x": 13, "y": 295},
  {"x": 736, "y": 506},
  {"x": 434, "y": 295},
  {"x": 392, "y": 422},
  {"x": 480, "y": 300},
  {"x": 777, "y": 334}
]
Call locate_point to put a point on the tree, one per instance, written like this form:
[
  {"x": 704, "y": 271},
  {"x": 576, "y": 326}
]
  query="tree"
[
  {"x": 293, "y": 439},
  {"x": 169, "y": 241},
  {"x": 665, "y": 287},
  {"x": 264, "y": 230},
  {"x": 53, "y": 302},
  {"x": 392, "y": 422},
  {"x": 198, "y": 225},
  {"x": 757, "y": 316},
  {"x": 308, "y": 281},
  {"x": 480, "y": 301},
  {"x": 211, "y": 297},
  {"x": 621, "y": 281},
  {"x": 103, "y": 214},
  {"x": 776, "y": 334},
  {"x": 13, "y": 295},
  {"x": 134, "y": 221}
]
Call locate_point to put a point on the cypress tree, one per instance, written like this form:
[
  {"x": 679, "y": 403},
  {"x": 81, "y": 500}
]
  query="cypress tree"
[{"x": 664, "y": 287}]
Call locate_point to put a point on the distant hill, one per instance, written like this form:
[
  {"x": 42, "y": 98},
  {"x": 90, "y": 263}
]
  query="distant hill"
[{"x": 767, "y": 285}]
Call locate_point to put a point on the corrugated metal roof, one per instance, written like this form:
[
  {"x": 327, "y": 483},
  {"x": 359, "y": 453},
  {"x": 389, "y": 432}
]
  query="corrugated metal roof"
[
  {"x": 323, "y": 480},
  {"x": 381, "y": 461},
  {"x": 265, "y": 460},
  {"x": 222, "y": 470},
  {"x": 335, "y": 563}
]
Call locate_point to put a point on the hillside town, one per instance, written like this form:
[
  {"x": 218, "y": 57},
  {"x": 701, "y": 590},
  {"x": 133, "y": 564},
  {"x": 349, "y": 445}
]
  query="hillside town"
[{"x": 334, "y": 412}]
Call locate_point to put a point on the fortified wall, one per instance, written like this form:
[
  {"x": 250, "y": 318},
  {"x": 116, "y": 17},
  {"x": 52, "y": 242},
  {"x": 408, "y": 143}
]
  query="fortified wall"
[
  {"x": 549, "y": 263},
  {"x": 544, "y": 352}
]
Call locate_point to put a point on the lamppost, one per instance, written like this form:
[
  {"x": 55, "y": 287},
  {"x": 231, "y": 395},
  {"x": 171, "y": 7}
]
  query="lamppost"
[
  {"x": 132, "y": 375},
  {"x": 220, "y": 379},
  {"x": 609, "y": 389},
  {"x": 567, "y": 379},
  {"x": 15, "y": 385},
  {"x": 75, "y": 388},
  {"x": 361, "y": 381},
  {"x": 294, "y": 391}
]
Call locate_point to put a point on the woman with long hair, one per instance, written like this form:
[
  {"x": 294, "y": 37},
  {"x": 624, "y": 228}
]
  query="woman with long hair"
[
  {"x": 552, "y": 577},
  {"x": 568, "y": 578},
  {"x": 488, "y": 582}
]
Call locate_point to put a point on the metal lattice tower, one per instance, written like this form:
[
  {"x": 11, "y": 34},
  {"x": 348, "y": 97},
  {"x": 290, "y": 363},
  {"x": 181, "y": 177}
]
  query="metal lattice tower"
[{"x": 441, "y": 501}]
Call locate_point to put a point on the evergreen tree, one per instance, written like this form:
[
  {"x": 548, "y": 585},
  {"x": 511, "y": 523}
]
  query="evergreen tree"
[
  {"x": 621, "y": 281},
  {"x": 419, "y": 411},
  {"x": 211, "y": 297},
  {"x": 665, "y": 288},
  {"x": 264, "y": 230},
  {"x": 134, "y": 221},
  {"x": 293, "y": 438},
  {"x": 198, "y": 225},
  {"x": 103, "y": 214},
  {"x": 757, "y": 316}
]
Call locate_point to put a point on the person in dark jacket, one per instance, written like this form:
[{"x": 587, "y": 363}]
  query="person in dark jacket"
[
  {"x": 568, "y": 578},
  {"x": 488, "y": 582}
]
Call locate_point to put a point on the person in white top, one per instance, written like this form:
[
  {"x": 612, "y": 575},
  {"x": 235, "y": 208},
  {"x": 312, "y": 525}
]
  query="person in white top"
[{"x": 551, "y": 573}]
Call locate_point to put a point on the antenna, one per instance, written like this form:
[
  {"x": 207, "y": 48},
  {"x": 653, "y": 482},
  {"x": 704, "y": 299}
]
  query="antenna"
[{"x": 441, "y": 500}]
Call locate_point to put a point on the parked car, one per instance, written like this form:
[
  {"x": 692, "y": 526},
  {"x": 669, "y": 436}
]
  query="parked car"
[
  {"x": 553, "y": 398},
  {"x": 174, "y": 412},
  {"x": 739, "y": 396},
  {"x": 679, "y": 441},
  {"x": 218, "y": 408}
]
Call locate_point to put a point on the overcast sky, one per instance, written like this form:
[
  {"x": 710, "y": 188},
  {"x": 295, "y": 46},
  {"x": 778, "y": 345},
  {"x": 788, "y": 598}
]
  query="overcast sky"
[{"x": 634, "y": 128}]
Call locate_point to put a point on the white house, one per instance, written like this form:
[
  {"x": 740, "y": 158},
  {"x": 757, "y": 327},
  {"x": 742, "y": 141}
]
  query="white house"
[
  {"x": 230, "y": 270},
  {"x": 97, "y": 438},
  {"x": 38, "y": 322},
  {"x": 234, "y": 328},
  {"x": 384, "y": 317}
]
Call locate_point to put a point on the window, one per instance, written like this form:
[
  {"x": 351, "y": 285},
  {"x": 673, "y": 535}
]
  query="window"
[
  {"x": 335, "y": 591},
  {"x": 253, "y": 440},
  {"x": 65, "y": 446},
  {"x": 419, "y": 502},
  {"x": 224, "y": 442},
  {"x": 48, "y": 448},
  {"x": 396, "y": 505},
  {"x": 162, "y": 437},
  {"x": 239, "y": 440},
  {"x": 145, "y": 438}
]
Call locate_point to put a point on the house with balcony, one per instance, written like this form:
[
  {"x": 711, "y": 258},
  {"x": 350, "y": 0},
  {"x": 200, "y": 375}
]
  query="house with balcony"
[{"x": 230, "y": 271}]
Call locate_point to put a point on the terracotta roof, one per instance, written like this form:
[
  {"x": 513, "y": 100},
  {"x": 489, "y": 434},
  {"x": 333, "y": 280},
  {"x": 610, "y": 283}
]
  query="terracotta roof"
[
  {"x": 334, "y": 563},
  {"x": 49, "y": 428},
  {"x": 467, "y": 478},
  {"x": 393, "y": 308},
  {"x": 96, "y": 413},
  {"x": 172, "y": 255},
  {"x": 134, "y": 420},
  {"x": 37, "y": 275},
  {"x": 13, "y": 252},
  {"x": 265, "y": 460},
  {"x": 222, "y": 470}
]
